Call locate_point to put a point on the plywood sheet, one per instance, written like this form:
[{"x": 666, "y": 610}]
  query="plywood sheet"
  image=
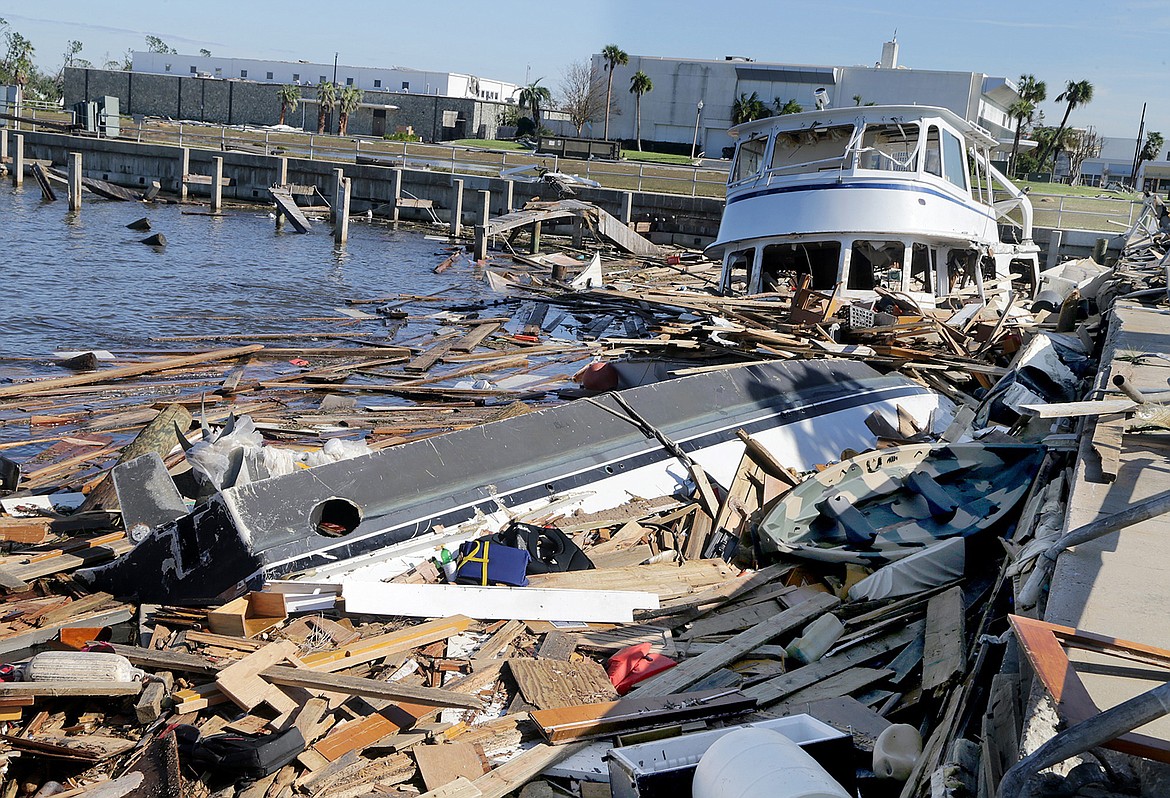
[{"x": 549, "y": 684}]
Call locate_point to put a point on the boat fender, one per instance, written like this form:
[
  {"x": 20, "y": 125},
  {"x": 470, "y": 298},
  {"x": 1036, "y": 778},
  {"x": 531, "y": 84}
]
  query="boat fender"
[
  {"x": 634, "y": 664},
  {"x": 599, "y": 376}
]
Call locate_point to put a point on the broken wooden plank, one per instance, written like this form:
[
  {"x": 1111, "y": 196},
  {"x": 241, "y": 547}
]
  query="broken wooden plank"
[
  {"x": 367, "y": 688},
  {"x": 778, "y": 687},
  {"x": 548, "y": 684},
  {"x": 444, "y": 763},
  {"x": 586, "y": 721},
  {"x": 134, "y": 370},
  {"x": 287, "y": 207},
  {"x": 692, "y": 670},
  {"x": 944, "y": 657},
  {"x": 242, "y": 683},
  {"x": 475, "y": 337}
]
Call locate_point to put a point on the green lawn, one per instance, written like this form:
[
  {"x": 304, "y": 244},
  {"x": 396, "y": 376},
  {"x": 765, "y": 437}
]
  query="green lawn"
[
  {"x": 487, "y": 144},
  {"x": 657, "y": 157},
  {"x": 1074, "y": 191}
]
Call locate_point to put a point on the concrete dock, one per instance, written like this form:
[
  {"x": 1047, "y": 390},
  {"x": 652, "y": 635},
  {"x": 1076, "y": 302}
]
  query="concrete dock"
[{"x": 1119, "y": 585}]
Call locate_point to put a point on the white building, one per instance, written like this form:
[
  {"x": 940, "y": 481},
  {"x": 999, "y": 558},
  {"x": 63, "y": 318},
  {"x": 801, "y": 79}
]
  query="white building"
[
  {"x": 305, "y": 73},
  {"x": 671, "y": 113}
]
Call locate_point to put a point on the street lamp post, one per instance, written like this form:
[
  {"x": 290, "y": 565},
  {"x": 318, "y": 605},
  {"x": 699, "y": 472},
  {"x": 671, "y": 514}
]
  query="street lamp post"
[{"x": 695, "y": 140}]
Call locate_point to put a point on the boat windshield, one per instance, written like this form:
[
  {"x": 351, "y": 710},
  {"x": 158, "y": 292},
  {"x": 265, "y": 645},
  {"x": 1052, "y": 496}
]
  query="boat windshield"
[
  {"x": 892, "y": 147},
  {"x": 820, "y": 148},
  {"x": 818, "y": 259},
  {"x": 749, "y": 158},
  {"x": 876, "y": 264}
]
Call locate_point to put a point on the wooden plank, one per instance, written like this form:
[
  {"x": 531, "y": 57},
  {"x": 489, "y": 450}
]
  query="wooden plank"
[
  {"x": 692, "y": 670},
  {"x": 733, "y": 620},
  {"x": 444, "y": 763},
  {"x": 242, "y": 683},
  {"x": 585, "y": 721},
  {"x": 359, "y": 734},
  {"x": 548, "y": 684},
  {"x": 495, "y": 644},
  {"x": 838, "y": 685},
  {"x": 287, "y": 206},
  {"x": 475, "y": 337},
  {"x": 779, "y": 687},
  {"x": 556, "y": 646},
  {"x": 1078, "y": 409},
  {"x": 367, "y": 688},
  {"x": 944, "y": 654},
  {"x": 371, "y": 648},
  {"x": 134, "y": 370},
  {"x": 459, "y": 788},
  {"x": 495, "y": 603},
  {"x": 518, "y": 771},
  {"x": 429, "y": 358}
]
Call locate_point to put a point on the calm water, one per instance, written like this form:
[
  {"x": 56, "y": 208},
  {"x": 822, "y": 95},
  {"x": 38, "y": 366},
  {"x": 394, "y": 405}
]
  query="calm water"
[{"x": 82, "y": 280}]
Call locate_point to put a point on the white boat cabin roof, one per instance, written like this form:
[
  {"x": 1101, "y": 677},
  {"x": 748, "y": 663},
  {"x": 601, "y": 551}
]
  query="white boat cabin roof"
[{"x": 903, "y": 114}]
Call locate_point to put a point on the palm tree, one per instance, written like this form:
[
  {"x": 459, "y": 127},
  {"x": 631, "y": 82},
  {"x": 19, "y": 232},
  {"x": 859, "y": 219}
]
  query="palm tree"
[
  {"x": 640, "y": 84},
  {"x": 531, "y": 96},
  {"x": 746, "y": 108},
  {"x": 1076, "y": 92},
  {"x": 290, "y": 98},
  {"x": 1152, "y": 147},
  {"x": 613, "y": 56},
  {"x": 351, "y": 98},
  {"x": 1032, "y": 92},
  {"x": 326, "y": 100},
  {"x": 790, "y": 107}
]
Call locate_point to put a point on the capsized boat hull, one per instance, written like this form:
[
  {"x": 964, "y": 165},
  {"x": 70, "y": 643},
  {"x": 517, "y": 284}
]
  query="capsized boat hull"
[
  {"x": 910, "y": 496},
  {"x": 805, "y": 412}
]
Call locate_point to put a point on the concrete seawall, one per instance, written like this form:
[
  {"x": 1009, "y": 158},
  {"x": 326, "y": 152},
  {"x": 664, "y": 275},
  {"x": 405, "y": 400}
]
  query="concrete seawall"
[{"x": 687, "y": 221}]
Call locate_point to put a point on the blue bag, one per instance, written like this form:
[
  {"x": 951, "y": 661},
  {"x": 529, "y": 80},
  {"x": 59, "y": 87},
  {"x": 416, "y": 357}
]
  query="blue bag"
[{"x": 487, "y": 562}]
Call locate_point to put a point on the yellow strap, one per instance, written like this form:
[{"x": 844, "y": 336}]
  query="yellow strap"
[{"x": 480, "y": 555}]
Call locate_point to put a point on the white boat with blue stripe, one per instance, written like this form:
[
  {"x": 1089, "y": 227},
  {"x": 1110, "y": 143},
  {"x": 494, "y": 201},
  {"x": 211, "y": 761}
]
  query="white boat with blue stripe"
[{"x": 903, "y": 198}]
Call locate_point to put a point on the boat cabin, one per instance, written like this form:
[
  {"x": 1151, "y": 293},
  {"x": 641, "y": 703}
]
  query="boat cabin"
[{"x": 900, "y": 198}]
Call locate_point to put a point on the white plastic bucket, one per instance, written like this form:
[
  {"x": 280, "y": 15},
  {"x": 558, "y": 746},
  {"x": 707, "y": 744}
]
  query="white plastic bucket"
[{"x": 761, "y": 763}]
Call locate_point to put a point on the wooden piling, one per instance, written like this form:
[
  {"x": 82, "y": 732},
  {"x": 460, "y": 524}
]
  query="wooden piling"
[
  {"x": 338, "y": 186},
  {"x": 217, "y": 184},
  {"x": 535, "y": 238},
  {"x": 18, "y": 159},
  {"x": 509, "y": 196},
  {"x": 184, "y": 170},
  {"x": 3, "y": 150},
  {"x": 485, "y": 215},
  {"x": 456, "y": 207},
  {"x": 75, "y": 181},
  {"x": 341, "y": 213},
  {"x": 397, "y": 195},
  {"x": 627, "y": 207},
  {"x": 282, "y": 172}
]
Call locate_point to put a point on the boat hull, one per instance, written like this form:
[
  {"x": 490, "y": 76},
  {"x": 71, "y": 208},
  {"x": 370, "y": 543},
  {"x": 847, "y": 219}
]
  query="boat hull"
[{"x": 805, "y": 412}]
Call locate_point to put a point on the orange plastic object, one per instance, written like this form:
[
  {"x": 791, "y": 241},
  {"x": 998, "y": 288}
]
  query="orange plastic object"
[{"x": 634, "y": 664}]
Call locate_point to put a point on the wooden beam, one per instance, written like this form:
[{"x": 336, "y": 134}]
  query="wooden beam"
[
  {"x": 134, "y": 370},
  {"x": 944, "y": 656},
  {"x": 692, "y": 670}
]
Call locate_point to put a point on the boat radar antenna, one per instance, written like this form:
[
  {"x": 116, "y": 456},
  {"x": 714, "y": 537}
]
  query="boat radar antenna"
[{"x": 822, "y": 99}]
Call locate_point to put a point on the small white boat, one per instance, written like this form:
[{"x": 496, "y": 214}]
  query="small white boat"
[{"x": 900, "y": 198}]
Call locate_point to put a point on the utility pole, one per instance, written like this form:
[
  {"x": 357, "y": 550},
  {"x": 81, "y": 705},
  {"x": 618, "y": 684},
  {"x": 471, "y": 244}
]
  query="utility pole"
[{"x": 335, "y": 69}]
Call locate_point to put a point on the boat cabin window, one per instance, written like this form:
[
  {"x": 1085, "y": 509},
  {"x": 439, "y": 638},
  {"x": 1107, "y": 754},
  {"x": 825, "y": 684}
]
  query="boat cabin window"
[
  {"x": 954, "y": 161},
  {"x": 892, "y": 147},
  {"x": 818, "y": 259},
  {"x": 987, "y": 267},
  {"x": 875, "y": 264},
  {"x": 1026, "y": 282},
  {"x": 737, "y": 273},
  {"x": 820, "y": 148},
  {"x": 749, "y": 157},
  {"x": 933, "y": 152},
  {"x": 923, "y": 260}
]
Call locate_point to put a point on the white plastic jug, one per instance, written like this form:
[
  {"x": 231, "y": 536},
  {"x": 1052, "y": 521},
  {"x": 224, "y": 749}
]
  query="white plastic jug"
[
  {"x": 817, "y": 638},
  {"x": 761, "y": 763},
  {"x": 895, "y": 752}
]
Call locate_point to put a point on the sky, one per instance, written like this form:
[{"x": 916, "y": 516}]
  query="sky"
[{"x": 1120, "y": 47}]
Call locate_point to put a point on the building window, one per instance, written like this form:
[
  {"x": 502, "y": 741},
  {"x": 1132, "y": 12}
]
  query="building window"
[
  {"x": 349, "y": 81},
  {"x": 219, "y": 72},
  {"x": 194, "y": 71},
  {"x": 243, "y": 73},
  {"x": 268, "y": 76},
  {"x": 168, "y": 68},
  {"x": 322, "y": 80},
  {"x": 296, "y": 77},
  {"x": 406, "y": 85},
  {"x": 377, "y": 83}
]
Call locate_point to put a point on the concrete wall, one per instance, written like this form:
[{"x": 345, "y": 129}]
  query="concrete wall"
[
  {"x": 243, "y": 102},
  {"x": 691, "y": 221}
]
